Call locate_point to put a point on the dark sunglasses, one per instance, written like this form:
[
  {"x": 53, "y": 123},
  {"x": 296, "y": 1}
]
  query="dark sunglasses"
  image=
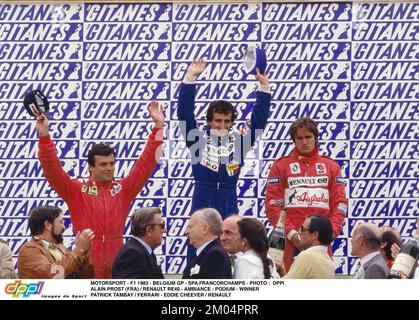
[{"x": 302, "y": 229}]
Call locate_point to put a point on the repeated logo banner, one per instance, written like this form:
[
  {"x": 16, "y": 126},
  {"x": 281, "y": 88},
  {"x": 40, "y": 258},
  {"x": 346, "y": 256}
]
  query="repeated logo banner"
[
  {"x": 384, "y": 117},
  {"x": 352, "y": 67}
]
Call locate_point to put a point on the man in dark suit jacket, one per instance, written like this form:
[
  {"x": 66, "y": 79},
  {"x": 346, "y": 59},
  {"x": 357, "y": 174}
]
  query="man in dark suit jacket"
[
  {"x": 136, "y": 260},
  {"x": 211, "y": 261},
  {"x": 366, "y": 241}
]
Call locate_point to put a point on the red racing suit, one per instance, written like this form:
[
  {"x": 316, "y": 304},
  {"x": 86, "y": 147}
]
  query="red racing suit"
[
  {"x": 305, "y": 185},
  {"x": 102, "y": 207}
]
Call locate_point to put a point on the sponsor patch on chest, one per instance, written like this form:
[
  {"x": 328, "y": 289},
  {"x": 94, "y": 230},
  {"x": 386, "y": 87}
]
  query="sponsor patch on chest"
[
  {"x": 93, "y": 191},
  {"x": 306, "y": 198},
  {"x": 320, "y": 168},
  {"x": 295, "y": 168},
  {"x": 295, "y": 182},
  {"x": 116, "y": 188}
]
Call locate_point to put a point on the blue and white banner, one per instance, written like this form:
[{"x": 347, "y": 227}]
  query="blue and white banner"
[{"x": 351, "y": 66}]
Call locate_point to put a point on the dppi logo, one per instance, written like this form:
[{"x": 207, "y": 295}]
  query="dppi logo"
[{"x": 18, "y": 288}]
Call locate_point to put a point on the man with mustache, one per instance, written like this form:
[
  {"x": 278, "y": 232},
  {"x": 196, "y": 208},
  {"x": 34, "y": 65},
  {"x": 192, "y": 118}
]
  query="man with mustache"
[{"x": 45, "y": 257}]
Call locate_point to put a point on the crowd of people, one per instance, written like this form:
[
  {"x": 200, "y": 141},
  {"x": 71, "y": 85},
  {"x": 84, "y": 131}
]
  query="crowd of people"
[{"x": 222, "y": 244}]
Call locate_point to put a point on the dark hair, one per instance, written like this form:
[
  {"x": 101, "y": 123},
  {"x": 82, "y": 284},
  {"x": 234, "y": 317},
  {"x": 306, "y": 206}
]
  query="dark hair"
[
  {"x": 322, "y": 225},
  {"x": 254, "y": 231},
  {"x": 39, "y": 215},
  {"x": 390, "y": 236},
  {"x": 99, "y": 149},
  {"x": 223, "y": 107},
  {"x": 306, "y": 123},
  {"x": 141, "y": 219}
]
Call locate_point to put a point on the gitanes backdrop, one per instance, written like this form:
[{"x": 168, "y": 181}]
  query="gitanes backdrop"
[{"x": 352, "y": 67}]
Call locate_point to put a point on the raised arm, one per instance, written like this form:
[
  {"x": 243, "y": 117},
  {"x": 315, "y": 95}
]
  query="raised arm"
[
  {"x": 51, "y": 165},
  {"x": 186, "y": 102},
  {"x": 260, "y": 112},
  {"x": 147, "y": 162}
]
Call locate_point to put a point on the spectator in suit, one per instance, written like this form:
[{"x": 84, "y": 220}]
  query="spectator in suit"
[
  {"x": 136, "y": 260},
  {"x": 45, "y": 257},
  {"x": 211, "y": 261},
  {"x": 366, "y": 241},
  {"x": 391, "y": 242},
  {"x": 7, "y": 271},
  {"x": 255, "y": 262},
  {"x": 313, "y": 262}
]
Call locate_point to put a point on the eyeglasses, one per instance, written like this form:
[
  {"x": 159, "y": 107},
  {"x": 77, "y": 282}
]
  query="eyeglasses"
[
  {"x": 302, "y": 229},
  {"x": 161, "y": 225}
]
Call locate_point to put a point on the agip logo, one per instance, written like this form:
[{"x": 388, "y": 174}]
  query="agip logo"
[{"x": 18, "y": 289}]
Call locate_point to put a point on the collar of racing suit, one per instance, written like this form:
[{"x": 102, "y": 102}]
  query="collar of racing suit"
[
  {"x": 314, "y": 154},
  {"x": 100, "y": 184}
]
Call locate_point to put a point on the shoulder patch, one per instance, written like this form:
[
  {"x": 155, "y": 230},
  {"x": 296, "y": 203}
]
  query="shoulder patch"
[
  {"x": 277, "y": 202},
  {"x": 340, "y": 180},
  {"x": 274, "y": 180}
]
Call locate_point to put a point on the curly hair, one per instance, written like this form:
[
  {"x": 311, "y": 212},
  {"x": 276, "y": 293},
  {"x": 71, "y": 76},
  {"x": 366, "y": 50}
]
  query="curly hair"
[{"x": 223, "y": 107}]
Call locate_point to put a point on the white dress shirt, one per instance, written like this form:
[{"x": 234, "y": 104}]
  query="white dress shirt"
[{"x": 249, "y": 266}]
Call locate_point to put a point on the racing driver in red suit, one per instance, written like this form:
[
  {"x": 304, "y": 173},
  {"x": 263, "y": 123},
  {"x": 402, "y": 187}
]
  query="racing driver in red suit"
[
  {"x": 102, "y": 203},
  {"x": 304, "y": 183}
]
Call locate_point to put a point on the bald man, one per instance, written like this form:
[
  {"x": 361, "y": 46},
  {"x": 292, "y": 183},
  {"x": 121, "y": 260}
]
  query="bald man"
[{"x": 366, "y": 241}]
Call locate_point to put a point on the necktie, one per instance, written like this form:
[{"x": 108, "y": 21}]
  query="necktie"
[{"x": 233, "y": 258}]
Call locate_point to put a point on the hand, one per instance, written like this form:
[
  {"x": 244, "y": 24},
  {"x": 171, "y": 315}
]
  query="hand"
[
  {"x": 84, "y": 240},
  {"x": 243, "y": 131},
  {"x": 156, "y": 113},
  {"x": 42, "y": 125},
  {"x": 196, "y": 67},
  {"x": 280, "y": 268},
  {"x": 261, "y": 77}
]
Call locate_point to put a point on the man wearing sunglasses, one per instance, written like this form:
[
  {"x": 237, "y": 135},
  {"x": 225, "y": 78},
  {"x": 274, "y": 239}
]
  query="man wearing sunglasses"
[
  {"x": 136, "y": 259},
  {"x": 313, "y": 262}
]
